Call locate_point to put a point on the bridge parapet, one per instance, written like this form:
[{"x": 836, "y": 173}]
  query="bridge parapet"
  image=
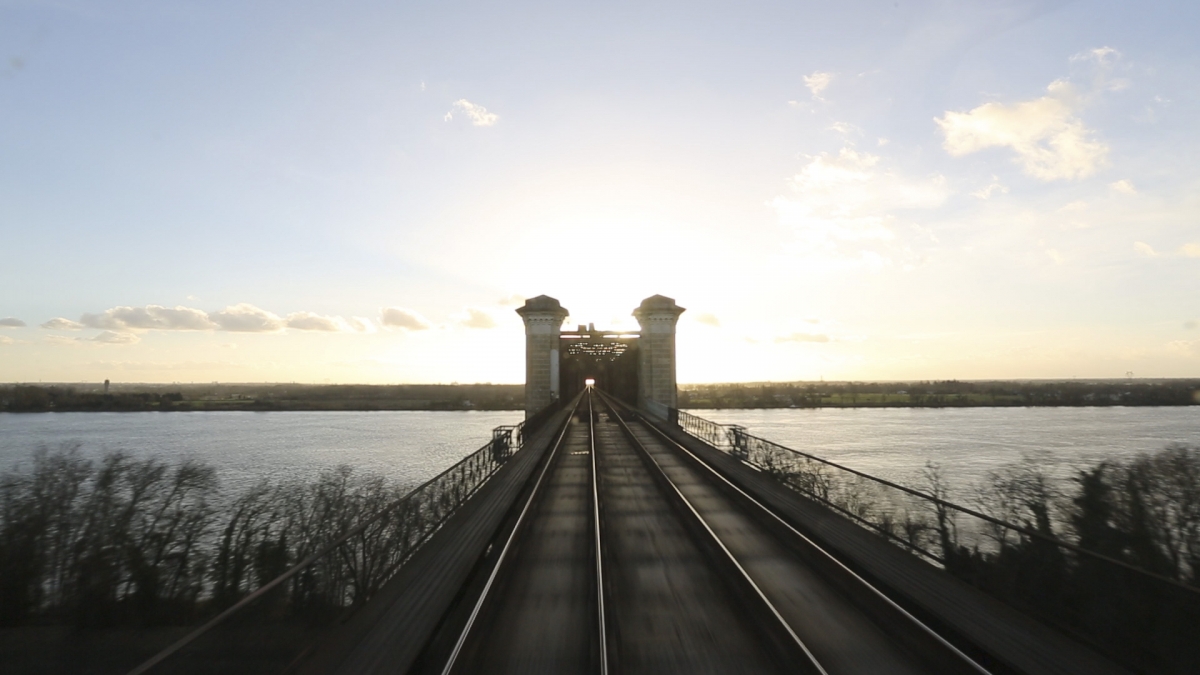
[
  {"x": 355, "y": 565},
  {"x": 1030, "y": 566}
]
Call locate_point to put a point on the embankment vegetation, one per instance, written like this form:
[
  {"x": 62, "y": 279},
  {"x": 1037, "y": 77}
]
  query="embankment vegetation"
[
  {"x": 1144, "y": 512},
  {"x": 1138, "y": 599},
  {"x": 130, "y": 541},
  {"x": 125, "y": 541}
]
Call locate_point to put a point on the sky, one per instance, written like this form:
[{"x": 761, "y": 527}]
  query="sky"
[{"x": 365, "y": 191}]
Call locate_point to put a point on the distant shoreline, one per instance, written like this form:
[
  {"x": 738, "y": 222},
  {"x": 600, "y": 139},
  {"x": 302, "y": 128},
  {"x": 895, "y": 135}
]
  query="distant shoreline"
[
  {"x": 350, "y": 408},
  {"x": 291, "y": 397}
]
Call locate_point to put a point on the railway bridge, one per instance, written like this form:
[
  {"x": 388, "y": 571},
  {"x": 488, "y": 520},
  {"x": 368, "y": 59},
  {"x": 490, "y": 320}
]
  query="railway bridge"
[{"x": 612, "y": 533}]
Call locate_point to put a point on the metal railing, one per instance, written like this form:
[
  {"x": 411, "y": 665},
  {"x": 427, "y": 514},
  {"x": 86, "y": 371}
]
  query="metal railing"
[
  {"x": 1031, "y": 566},
  {"x": 350, "y": 569}
]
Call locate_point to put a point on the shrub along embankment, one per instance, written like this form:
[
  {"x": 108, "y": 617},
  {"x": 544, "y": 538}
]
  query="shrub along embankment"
[{"x": 128, "y": 541}]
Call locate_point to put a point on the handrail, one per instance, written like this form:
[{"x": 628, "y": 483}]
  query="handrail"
[
  {"x": 505, "y": 441},
  {"x": 738, "y": 440}
]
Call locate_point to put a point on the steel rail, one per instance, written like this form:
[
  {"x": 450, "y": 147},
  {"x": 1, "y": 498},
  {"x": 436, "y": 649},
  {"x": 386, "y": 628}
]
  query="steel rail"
[
  {"x": 782, "y": 622},
  {"x": 512, "y": 537},
  {"x": 821, "y": 551},
  {"x": 599, "y": 550}
]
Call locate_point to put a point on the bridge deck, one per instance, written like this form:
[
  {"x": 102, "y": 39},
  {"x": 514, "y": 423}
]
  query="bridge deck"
[
  {"x": 388, "y": 634},
  {"x": 672, "y": 610},
  {"x": 541, "y": 615},
  {"x": 698, "y": 576},
  {"x": 1006, "y": 639},
  {"x": 840, "y": 635}
]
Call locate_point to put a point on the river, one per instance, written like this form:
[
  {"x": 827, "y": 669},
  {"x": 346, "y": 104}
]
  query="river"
[{"x": 412, "y": 446}]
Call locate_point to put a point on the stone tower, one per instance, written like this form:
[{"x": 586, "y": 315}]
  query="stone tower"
[
  {"x": 657, "y": 316},
  {"x": 543, "y": 318}
]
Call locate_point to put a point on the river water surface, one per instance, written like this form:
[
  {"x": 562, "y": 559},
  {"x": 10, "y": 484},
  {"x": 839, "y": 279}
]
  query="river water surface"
[
  {"x": 967, "y": 443},
  {"x": 411, "y": 446},
  {"x": 406, "y": 446}
]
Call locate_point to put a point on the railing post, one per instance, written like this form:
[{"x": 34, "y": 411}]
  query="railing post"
[
  {"x": 739, "y": 441},
  {"x": 502, "y": 444}
]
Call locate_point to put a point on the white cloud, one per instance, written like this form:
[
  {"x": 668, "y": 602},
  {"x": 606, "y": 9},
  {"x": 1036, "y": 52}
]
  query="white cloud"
[
  {"x": 1075, "y": 206},
  {"x": 61, "y": 340},
  {"x": 1049, "y": 139},
  {"x": 1102, "y": 55},
  {"x": 478, "y": 114},
  {"x": 817, "y": 83},
  {"x": 5, "y": 340},
  {"x": 246, "y": 318},
  {"x": 396, "y": 317},
  {"x": 150, "y": 317},
  {"x": 1150, "y": 112},
  {"x": 11, "y": 322},
  {"x": 60, "y": 323},
  {"x": 362, "y": 324},
  {"x": 240, "y": 318},
  {"x": 845, "y": 128},
  {"x": 1123, "y": 186},
  {"x": 1184, "y": 347},
  {"x": 114, "y": 338},
  {"x": 514, "y": 300},
  {"x": 108, "y": 337},
  {"x": 803, "y": 337},
  {"x": 993, "y": 188},
  {"x": 1188, "y": 250},
  {"x": 316, "y": 322},
  {"x": 477, "y": 318},
  {"x": 841, "y": 204},
  {"x": 1055, "y": 256},
  {"x": 708, "y": 319},
  {"x": 329, "y": 324}
]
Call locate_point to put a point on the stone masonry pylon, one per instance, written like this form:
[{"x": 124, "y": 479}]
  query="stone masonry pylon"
[
  {"x": 657, "y": 316},
  {"x": 543, "y": 318}
]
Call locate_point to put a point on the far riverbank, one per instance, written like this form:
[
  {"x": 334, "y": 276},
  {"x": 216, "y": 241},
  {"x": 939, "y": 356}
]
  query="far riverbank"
[
  {"x": 216, "y": 397},
  {"x": 943, "y": 394}
]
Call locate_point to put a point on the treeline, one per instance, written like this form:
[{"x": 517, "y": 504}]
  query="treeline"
[
  {"x": 125, "y": 541},
  {"x": 214, "y": 396},
  {"x": 41, "y": 399},
  {"x": 1144, "y": 512},
  {"x": 1143, "y": 515},
  {"x": 945, "y": 393}
]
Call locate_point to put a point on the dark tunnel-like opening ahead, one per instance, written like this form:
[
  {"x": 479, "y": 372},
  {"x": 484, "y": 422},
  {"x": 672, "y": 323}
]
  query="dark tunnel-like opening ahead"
[{"x": 611, "y": 359}]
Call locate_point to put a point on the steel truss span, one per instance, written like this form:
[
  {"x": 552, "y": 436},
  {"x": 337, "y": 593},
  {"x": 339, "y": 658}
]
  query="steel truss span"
[{"x": 629, "y": 554}]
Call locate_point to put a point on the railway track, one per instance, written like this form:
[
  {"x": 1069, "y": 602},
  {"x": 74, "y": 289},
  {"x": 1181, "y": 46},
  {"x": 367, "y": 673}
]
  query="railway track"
[{"x": 629, "y": 554}]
